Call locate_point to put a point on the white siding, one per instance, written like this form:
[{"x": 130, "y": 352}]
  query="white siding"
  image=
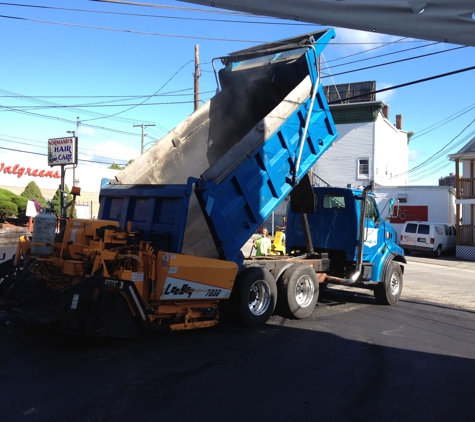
[
  {"x": 390, "y": 154},
  {"x": 339, "y": 165},
  {"x": 385, "y": 146}
]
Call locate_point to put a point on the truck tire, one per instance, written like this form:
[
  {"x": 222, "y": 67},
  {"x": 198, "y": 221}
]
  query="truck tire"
[
  {"x": 254, "y": 296},
  {"x": 298, "y": 291},
  {"x": 389, "y": 291},
  {"x": 438, "y": 251}
]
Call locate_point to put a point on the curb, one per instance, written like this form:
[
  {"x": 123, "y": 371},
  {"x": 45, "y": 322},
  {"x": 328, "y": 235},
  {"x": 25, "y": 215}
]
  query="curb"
[{"x": 446, "y": 262}]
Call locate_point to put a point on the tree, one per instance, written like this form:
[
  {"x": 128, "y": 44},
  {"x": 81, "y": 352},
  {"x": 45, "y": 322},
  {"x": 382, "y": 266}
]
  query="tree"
[
  {"x": 11, "y": 205},
  {"x": 32, "y": 191},
  {"x": 115, "y": 166},
  {"x": 56, "y": 202}
]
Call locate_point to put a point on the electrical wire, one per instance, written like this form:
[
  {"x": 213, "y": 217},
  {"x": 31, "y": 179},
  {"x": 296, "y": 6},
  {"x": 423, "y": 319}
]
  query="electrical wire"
[
  {"x": 41, "y": 145},
  {"x": 440, "y": 151},
  {"x": 129, "y": 31},
  {"x": 397, "y": 61},
  {"x": 163, "y": 16},
  {"x": 443, "y": 122},
  {"x": 417, "y": 81},
  {"x": 79, "y": 159},
  {"x": 156, "y": 92}
]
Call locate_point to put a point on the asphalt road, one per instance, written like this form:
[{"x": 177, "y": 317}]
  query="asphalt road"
[{"x": 351, "y": 360}]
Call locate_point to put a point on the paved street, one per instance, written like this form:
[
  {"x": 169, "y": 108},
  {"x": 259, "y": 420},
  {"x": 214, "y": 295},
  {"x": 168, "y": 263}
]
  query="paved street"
[{"x": 351, "y": 360}]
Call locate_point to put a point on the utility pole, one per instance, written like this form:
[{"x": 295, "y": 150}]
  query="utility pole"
[
  {"x": 75, "y": 134},
  {"x": 143, "y": 134},
  {"x": 197, "y": 77}
]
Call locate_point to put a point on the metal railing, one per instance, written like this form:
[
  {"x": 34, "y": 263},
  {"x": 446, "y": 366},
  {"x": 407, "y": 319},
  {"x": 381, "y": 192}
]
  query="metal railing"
[{"x": 318, "y": 181}]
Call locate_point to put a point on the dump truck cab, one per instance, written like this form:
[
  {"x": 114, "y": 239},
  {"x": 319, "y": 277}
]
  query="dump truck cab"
[{"x": 347, "y": 225}]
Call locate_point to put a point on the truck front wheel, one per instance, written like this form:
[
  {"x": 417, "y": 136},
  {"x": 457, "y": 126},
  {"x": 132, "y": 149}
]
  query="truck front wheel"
[
  {"x": 389, "y": 291},
  {"x": 255, "y": 296},
  {"x": 298, "y": 291}
]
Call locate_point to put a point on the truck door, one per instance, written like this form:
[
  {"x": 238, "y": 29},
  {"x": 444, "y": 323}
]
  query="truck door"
[{"x": 374, "y": 229}]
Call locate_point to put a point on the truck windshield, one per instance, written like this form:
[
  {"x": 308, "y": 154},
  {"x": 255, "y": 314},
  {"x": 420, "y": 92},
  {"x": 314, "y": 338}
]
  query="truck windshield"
[{"x": 371, "y": 209}]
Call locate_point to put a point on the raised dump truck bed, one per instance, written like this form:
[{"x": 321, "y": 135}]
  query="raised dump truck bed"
[{"x": 248, "y": 146}]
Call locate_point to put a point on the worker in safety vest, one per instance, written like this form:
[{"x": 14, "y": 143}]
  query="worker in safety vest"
[{"x": 263, "y": 244}]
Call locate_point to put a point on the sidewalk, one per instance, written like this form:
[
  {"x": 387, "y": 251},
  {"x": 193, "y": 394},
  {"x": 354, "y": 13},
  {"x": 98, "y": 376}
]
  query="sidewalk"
[{"x": 446, "y": 261}]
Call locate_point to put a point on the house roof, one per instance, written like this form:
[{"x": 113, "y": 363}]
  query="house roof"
[
  {"x": 356, "y": 112},
  {"x": 360, "y": 112},
  {"x": 468, "y": 151}
]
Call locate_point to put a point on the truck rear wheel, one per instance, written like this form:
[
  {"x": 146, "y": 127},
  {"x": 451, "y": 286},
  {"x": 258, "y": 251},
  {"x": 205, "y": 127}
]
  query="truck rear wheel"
[
  {"x": 389, "y": 291},
  {"x": 255, "y": 296},
  {"x": 298, "y": 291}
]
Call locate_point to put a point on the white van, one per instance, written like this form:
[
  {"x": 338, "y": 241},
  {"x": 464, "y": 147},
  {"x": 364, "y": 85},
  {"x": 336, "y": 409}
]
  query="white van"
[{"x": 427, "y": 237}]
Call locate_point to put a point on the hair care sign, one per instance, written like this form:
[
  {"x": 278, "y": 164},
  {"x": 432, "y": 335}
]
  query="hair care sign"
[{"x": 62, "y": 151}]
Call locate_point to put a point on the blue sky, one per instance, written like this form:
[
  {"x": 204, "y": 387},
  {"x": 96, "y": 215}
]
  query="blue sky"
[{"x": 135, "y": 64}]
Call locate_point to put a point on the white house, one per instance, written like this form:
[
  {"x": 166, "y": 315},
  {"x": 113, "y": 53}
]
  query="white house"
[
  {"x": 368, "y": 147},
  {"x": 465, "y": 202}
]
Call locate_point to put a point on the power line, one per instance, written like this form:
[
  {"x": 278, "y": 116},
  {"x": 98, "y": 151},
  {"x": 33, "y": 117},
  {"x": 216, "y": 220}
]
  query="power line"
[
  {"x": 164, "y": 16},
  {"x": 156, "y": 92},
  {"x": 45, "y": 155},
  {"x": 129, "y": 31},
  {"x": 41, "y": 145},
  {"x": 101, "y": 105},
  {"x": 422, "y": 170},
  {"x": 443, "y": 122},
  {"x": 381, "y": 55},
  {"x": 417, "y": 81},
  {"x": 444, "y": 147},
  {"x": 397, "y": 61}
]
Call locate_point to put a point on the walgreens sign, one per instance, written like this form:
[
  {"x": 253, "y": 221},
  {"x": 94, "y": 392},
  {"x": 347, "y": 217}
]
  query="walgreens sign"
[{"x": 19, "y": 170}]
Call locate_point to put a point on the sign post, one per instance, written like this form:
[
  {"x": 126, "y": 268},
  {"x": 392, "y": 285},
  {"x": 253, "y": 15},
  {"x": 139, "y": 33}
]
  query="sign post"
[{"x": 63, "y": 152}]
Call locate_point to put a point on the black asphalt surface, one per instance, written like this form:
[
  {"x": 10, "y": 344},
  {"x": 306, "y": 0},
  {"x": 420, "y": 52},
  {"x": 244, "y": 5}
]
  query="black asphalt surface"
[{"x": 351, "y": 360}]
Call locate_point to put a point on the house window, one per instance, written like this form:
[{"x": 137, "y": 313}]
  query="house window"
[{"x": 363, "y": 168}]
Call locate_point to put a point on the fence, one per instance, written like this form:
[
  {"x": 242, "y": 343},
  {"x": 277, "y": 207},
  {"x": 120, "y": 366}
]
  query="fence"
[{"x": 84, "y": 209}]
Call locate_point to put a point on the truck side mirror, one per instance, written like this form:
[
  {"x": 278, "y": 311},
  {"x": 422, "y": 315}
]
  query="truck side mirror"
[
  {"x": 391, "y": 209},
  {"x": 303, "y": 198}
]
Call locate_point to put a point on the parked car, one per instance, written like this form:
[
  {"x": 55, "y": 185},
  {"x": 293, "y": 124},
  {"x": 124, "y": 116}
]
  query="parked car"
[{"x": 429, "y": 237}]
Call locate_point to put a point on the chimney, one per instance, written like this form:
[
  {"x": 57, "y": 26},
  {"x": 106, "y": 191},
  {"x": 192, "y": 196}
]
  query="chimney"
[
  {"x": 386, "y": 111},
  {"x": 399, "y": 121}
]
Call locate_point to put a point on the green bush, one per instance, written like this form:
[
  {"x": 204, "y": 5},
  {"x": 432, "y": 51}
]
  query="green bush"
[
  {"x": 56, "y": 202},
  {"x": 32, "y": 191},
  {"x": 11, "y": 205}
]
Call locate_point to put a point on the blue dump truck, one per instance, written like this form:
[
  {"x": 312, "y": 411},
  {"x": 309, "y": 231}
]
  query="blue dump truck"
[{"x": 165, "y": 252}]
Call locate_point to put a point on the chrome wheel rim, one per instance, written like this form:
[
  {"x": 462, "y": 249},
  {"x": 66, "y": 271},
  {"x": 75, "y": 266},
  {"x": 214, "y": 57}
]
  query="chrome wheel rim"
[
  {"x": 304, "y": 291},
  {"x": 259, "y": 297},
  {"x": 394, "y": 283}
]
